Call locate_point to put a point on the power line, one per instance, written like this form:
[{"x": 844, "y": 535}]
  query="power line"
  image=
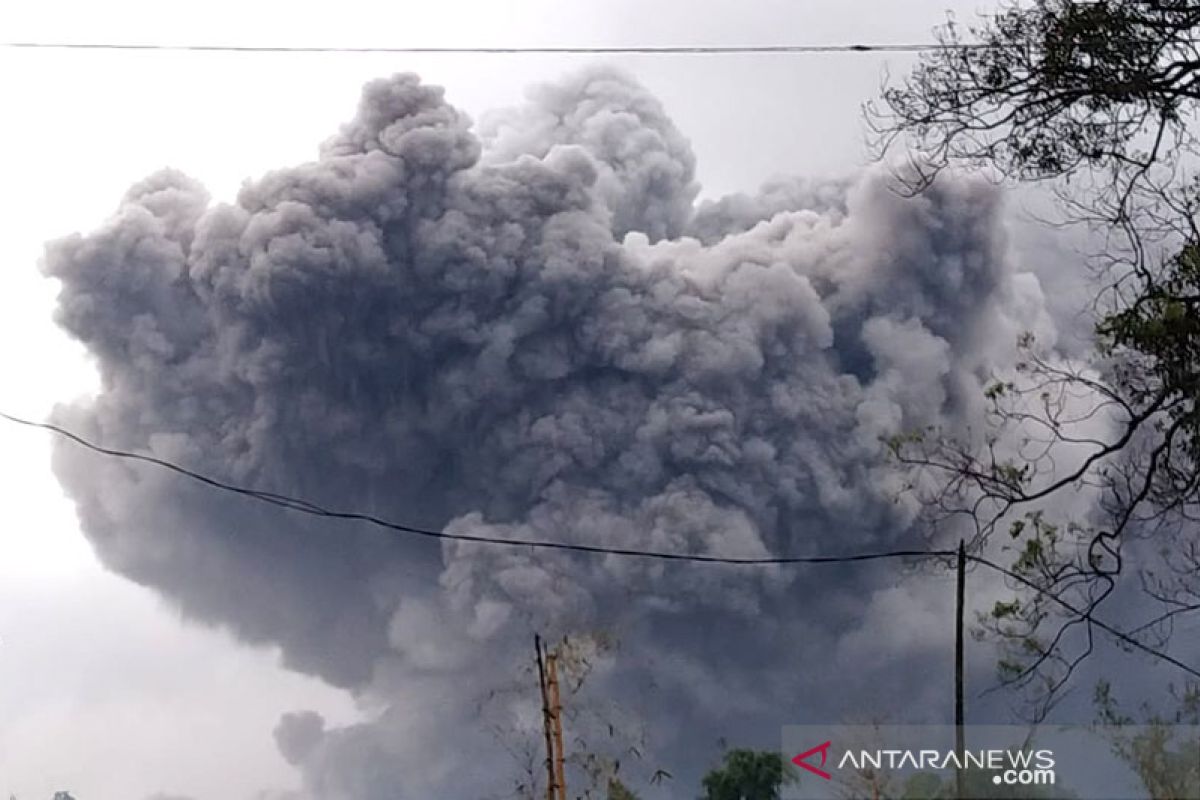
[
  {"x": 781, "y": 49},
  {"x": 1117, "y": 633},
  {"x": 313, "y": 509}
]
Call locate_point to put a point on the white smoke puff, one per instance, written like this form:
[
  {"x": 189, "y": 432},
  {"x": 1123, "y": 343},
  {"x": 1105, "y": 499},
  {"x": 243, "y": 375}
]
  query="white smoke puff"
[{"x": 498, "y": 339}]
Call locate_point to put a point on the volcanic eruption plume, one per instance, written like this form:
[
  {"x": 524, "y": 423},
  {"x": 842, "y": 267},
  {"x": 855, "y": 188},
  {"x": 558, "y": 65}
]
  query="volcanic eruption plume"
[{"x": 532, "y": 329}]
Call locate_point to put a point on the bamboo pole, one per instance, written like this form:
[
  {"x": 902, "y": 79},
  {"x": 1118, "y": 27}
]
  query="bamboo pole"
[
  {"x": 547, "y": 724},
  {"x": 556, "y": 718}
]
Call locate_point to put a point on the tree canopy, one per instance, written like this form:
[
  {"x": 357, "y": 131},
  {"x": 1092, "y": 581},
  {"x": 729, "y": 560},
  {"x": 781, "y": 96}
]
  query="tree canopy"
[
  {"x": 1096, "y": 100},
  {"x": 748, "y": 775}
]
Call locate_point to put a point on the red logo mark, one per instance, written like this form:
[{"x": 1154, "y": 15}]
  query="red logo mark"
[{"x": 801, "y": 760}]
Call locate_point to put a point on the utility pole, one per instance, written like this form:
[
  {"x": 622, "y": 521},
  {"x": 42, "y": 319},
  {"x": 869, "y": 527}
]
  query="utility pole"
[
  {"x": 547, "y": 721},
  {"x": 556, "y": 719},
  {"x": 959, "y": 715}
]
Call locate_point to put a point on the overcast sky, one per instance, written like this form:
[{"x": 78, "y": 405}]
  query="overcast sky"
[{"x": 85, "y": 655}]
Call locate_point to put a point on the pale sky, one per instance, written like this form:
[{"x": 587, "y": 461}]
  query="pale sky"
[{"x": 103, "y": 690}]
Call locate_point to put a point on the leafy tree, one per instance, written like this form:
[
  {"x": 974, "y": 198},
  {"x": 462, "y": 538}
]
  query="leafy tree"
[
  {"x": 748, "y": 775},
  {"x": 1095, "y": 100}
]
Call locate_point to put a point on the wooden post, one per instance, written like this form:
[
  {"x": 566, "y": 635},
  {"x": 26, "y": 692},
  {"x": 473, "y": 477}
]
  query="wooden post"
[
  {"x": 547, "y": 724},
  {"x": 556, "y": 718},
  {"x": 959, "y": 714}
]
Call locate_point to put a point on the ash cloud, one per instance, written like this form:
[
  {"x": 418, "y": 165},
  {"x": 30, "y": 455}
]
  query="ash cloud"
[{"x": 530, "y": 329}]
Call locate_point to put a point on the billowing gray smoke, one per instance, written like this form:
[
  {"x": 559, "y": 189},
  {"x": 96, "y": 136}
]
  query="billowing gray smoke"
[{"x": 533, "y": 331}]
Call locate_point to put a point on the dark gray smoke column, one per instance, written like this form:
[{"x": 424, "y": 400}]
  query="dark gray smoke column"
[{"x": 505, "y": 334}]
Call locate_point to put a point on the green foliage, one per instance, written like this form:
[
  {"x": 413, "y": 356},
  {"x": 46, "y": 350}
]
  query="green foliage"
[
  {"x": 618, "y": 791},
  {"x": 1160, "y": 330},
  {"x": 998, "y": 389},
  {"x": 748, "y": 775},
  {"x": 897, "y": 443},
  {"x": 1100, "y": 101},
  {"x": 1164, "y": 760},
  {"x": 1002, "y": 609},
  {"x": 1056, "y": 87}
]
